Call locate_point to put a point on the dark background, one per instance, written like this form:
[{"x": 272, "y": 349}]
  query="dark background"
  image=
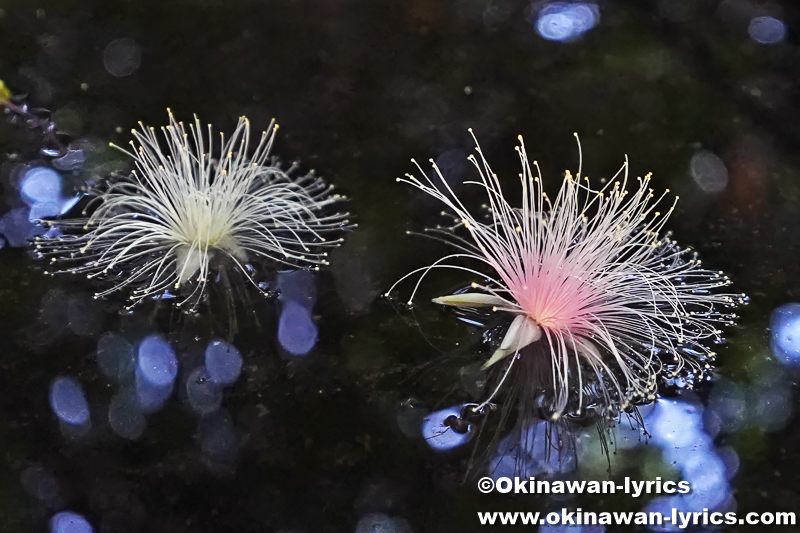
[{"x": 358, "y": 88}]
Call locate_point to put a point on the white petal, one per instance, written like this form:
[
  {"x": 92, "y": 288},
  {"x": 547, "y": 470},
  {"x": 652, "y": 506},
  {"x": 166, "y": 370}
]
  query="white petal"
[
  {"x": 471, "y": 299},
  {"x": 187, "y": 263},
  {"x": 522, "y": 332},
  {"x": 229, "y": 245}
]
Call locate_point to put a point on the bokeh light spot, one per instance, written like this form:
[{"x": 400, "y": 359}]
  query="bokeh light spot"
[
  {"x": 709, "y": 172},
  {"x": 151, "y": 397},
  {"x": 41, "y": 189},
  {"x": 41, "y": 184},
  {"x": 677, "y": 428},
  {"x": 223, "y": 362},
  {"x": 122, "y": 57},
  {"x": 565, "y": 21},
  {"x": 785, "y": 334},
  {"x": 297, "y": 332},
  {"x": 157, "y": 362},
  {"x": 68, "y": 401},
  {"x": 766, "y": 30},
  {"x": 69, "y": 522}
]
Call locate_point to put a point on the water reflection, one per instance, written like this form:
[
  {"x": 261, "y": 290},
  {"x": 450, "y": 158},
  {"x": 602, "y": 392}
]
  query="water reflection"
[
  {"x": 218, "y": 436},
  {"x": 676, "y": 427},
  {"x": 151, "y": 396},
  {"x": 538, "y": 448},
  {"x": 766, "y": 30},
  {"x": 565, "y": 21},
  {"x": 68, "y": 401},
  {"x": 708, "y": 172},
  {"x": 223, "y": 362},
  {"x": 41, "y": 195},
  {"x": 683, "y": 432},
  {"x": 69, "y": 522},
  {"x": 44, "y": 186},
  {"x": 146, "y": 377},
  {"x": 446, "y": 429},
  {"x": 297, "y": 331},
  {"x": 41, "y": 184},
  {"x": 157, "y": 364},
  {"x": 765, "y": 403},
  {"x": 784, "y": 325}
]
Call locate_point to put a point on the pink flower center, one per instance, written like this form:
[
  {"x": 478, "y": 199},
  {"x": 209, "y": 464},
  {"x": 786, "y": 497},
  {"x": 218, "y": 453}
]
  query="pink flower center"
[{"x": 554, "y": 301}]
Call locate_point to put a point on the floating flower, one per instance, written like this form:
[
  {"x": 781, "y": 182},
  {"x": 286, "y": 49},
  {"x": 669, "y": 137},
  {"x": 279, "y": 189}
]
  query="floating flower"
[
  {"x": 184, "y": 211},
  {"x": 600, "y": 303}
]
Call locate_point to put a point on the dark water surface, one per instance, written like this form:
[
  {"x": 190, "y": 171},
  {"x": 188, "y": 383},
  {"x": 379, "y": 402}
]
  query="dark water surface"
[{"x": 322, "y": 442}]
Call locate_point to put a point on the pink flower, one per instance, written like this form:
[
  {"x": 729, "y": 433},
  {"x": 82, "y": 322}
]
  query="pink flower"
[{"x": 590, "y": 281}]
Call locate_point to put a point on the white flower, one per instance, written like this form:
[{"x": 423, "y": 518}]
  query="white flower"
[{"x": 186, "y": 208}]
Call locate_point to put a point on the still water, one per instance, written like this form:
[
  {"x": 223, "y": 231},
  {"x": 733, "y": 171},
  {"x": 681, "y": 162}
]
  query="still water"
[{"x": 325, "y": 407}]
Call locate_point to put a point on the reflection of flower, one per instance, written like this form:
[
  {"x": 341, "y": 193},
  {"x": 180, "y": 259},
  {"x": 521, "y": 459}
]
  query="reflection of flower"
[
  {"x": 181, "y": 212},
  {"x": 603, "y": 301}
]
